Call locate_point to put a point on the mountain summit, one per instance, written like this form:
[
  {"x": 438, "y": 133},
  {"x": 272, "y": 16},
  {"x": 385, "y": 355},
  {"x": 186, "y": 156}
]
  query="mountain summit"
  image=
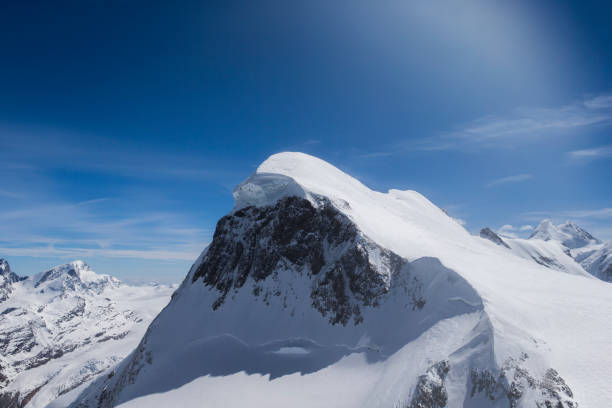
[
  {"x": 593, "y": 255},
  {"x": 317, "y": 291},
  {"x": 568, "y": 233},
  {"x": 7, "y": 279},
  {"x": 73, "y": 276}
]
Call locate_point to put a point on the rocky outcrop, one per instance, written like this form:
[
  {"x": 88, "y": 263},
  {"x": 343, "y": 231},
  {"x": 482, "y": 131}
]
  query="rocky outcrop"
[
  {"x": 7, "y": 279},
  {"x": 488, "y": 233},
  {"x": 430, "y": 390},
  {"x": 348, "y": 270},
  {"x": 514, "y": 381},
  {"x": 548, "y": 262}
]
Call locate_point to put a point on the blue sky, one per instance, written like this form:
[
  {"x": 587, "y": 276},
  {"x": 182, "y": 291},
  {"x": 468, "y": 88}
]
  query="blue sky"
[{"x": 124, "y": 126}]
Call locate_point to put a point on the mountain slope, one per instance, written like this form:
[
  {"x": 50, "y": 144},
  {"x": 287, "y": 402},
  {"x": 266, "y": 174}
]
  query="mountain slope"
[
  {"x": 551, "y": 253},
  {"x": 596, "y": 259},
  {"x": 63, "y": 327},
  {"x": 317, "y": 291}
]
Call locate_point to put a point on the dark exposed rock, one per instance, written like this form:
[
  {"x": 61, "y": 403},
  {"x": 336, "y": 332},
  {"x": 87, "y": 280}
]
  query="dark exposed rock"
[
  {"x": 557, "y": 393},
  {"x": 607, "y": 274},
  {"x": 484, "y": 382},
  {"x": 489, "y": 234},
  {"x": 46, "y": 355},
  {"x": 7, "y": 278},
  {"x": 256, "y": 242},
  {"x": 16, "y": 340},
  {"x": 513, "y": 380},
  {"x": 430, "y": 390},
  {"x": 117, "y": 336},
  {"x": 77, "y": 311},
  {"x": 14, "y": 399},
  {"x": 548, "y": 262},
  {"x": 9, "y": 400}
]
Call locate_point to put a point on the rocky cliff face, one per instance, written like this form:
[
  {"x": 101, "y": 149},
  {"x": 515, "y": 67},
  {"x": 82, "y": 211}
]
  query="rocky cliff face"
[
  {"x": 489, "y": 234},
  {"x": 320, "y": 242},
  {"x": 7, "y": 279}
]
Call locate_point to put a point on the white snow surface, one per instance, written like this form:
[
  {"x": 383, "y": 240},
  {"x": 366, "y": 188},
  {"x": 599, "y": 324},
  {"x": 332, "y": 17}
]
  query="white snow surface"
[
  {"x": 95, "y": 320},
  {"x": 485, "y": 306},
  {"x": 552, "y": 254}
]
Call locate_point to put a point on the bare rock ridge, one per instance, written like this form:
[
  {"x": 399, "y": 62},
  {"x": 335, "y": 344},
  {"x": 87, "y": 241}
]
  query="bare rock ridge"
[
  {"x": 258, "y": 242},
  {"x": 489, "y": 234},
  {"x": 7, "y": 279}
]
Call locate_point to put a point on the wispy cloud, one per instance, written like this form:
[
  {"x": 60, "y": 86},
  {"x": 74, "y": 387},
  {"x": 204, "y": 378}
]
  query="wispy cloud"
[
  {"x": 591, "y": 154},
  {"x": 601, "y": 213},
  {"x": 80, "y": 230},
  {"x": 510, "y": 231},
  {"x": 10, "y": 194},
  {"x": 311, "y": 142},
  {"x": 374, "y": 155},
  {"x": 40, "y": 217},
  {"x": 189, "y": 254},
  {"x": 507, "y": 230},
  {"x": 523, "y": 125},
  {"x": 517, "y": 178},
  {"x": 50, "y": 148}
]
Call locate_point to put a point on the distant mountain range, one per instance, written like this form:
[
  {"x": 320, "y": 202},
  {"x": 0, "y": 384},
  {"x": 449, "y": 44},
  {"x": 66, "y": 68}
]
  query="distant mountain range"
[
  {"x": 63, "y": 327},
  {"x": 566, "y": 247}
]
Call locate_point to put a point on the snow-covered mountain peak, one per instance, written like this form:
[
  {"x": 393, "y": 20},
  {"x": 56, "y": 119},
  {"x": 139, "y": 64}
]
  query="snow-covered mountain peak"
[
  {"x": 6, "y": 272},
  {"x": 7, "y": 278},
  {"x": 295, "y": 174},
  {"x": 316, "y": 274},
  {"x": 5, "y": 269},
  {"x": 568, "y": 234},
  {"x": 75, "y": 275},
  {"x": 544, "y": 231}
]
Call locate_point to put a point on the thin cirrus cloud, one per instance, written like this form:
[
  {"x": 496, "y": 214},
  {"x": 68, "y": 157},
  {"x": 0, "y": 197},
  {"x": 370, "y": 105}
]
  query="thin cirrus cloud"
[
  {"x": 523, "y": 125},
  {"x": 598, "y": 214},
  {"x": 50, "y": 148},
  {"x": 591, "y": 154},
  {"x": 75, "y": 230},
  {"x": 507, "y": 230},
  {"x": 511, "y": 231},
  {"x": 509, "y": 180},
  {"x": 186, "y": 254}
]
